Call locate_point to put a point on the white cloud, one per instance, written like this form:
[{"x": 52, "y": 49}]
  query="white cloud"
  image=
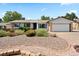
[
  {"x": 74, "y": 11},
  {"x": 43, "y": 9},
  {"x": 3, "y": 13},
  {"x": 62, "y": 4}
]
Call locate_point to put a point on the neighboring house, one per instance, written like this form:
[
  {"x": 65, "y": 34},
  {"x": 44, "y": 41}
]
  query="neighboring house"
[
  {"x": 61, "y": 24},
  {"x": 34, "y": 24}
]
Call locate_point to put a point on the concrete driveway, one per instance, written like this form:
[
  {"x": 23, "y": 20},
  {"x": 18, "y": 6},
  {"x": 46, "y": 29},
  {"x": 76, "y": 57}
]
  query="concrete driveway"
[{"x": 71, "y": 37}]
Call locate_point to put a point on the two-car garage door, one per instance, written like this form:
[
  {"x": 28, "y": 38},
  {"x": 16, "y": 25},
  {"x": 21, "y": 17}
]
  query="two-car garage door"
[{"x": 60, "y": 27}]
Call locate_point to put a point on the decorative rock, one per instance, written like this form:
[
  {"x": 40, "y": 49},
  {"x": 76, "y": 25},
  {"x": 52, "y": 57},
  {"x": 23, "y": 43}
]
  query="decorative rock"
[
  {"x": 32, "y": 54},
  {"x": 38, "y": 54},
  {"x": 76, "y": 47},
  {"x": 19, "y": 52},
  {"x": 16, "y": 51},
  {"x": 77, "y": 50},
  {"x": 28, "y": 53},
  {"x": 25, "y": 53},
  {"x": 1, "y": 52},
  {"x": 9, "y": 52}
]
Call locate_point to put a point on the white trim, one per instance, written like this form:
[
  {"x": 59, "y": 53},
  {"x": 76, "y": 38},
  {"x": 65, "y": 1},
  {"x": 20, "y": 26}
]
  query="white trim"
[{"x": 37, "y": 26}]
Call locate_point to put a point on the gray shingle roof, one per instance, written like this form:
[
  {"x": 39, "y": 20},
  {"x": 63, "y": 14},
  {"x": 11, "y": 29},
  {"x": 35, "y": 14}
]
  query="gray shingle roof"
[
  {"x": 61, "y": 20},
  {"x": 77, "y": 20},
  {"x": 29, "y": 21}
]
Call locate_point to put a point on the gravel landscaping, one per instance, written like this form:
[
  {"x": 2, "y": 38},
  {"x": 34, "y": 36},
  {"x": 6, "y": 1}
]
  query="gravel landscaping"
[
  {"x": 50, "y": 42},
  {"x": 45, "y": 45}
]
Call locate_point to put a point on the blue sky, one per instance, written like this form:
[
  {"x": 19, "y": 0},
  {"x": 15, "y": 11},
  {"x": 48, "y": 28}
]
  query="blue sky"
[{"x": 36, "y": 10}]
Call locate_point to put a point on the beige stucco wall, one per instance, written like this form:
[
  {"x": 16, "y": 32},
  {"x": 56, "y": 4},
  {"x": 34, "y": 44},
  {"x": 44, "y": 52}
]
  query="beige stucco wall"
[
  {"x": 50, "y": 26},
  {"x": 8, "y": 26},
  {"x": 75, "y": 26}
]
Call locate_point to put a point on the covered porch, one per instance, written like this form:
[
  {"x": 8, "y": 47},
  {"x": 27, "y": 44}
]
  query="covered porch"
[{"x": 33, "y": 24}]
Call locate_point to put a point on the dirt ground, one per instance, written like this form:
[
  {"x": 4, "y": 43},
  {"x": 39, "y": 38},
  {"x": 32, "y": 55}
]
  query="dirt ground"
[
  {"x": 50, "y": 46},
  {"x": 45, "y": 45}
]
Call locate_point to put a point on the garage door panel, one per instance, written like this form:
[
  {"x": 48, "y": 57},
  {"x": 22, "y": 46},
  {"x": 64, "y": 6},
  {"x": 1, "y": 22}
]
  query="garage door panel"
[{"x": 60, "y": 27}]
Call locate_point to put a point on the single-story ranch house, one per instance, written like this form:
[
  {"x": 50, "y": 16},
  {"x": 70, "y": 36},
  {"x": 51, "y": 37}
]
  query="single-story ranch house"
[
  {"x": 56, "y": 25},
  {"x": 34, "y": 24}
]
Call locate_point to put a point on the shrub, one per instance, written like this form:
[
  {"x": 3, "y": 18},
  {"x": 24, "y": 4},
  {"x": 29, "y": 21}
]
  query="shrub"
[
  {"x": 24, "y": 28},
  {"x": 11, "y": 30},
  {"x": 19, "y": 32},
  {"x": 21, "y": 28},
  {"x": 7, "y": 29},
  {"x": 42, "y": 32},
  {"x": 3, "y": 33},
  {"x": 30, "y": 33},
  {"x": 11, "y": 34}
]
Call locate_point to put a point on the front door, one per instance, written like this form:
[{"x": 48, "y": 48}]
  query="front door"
[{"x": 34, "y": 25}]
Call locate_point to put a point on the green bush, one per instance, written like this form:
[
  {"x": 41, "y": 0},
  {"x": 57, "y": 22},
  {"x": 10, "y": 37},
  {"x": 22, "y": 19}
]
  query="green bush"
[
  {"x": 21, "y": 28},
  {"x": 19, "y": 32},
  {"x": 11, "y": 30},
  {"x": 11, "y": 34},
  {"x": 24, "y": 28},
  {"x": 30, "y": 33},
  {"x": 7, "y": 29},
  {"x": 42, "y": 33},
  {"x": 3, "y": 33}
]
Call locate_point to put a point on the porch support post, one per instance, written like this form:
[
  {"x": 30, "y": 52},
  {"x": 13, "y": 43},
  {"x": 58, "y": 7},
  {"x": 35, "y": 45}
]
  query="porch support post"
[
  {"x": 47, "y": 26},
  {"x": 31, "y": 25},
  {"x": 37, "y": 26}
]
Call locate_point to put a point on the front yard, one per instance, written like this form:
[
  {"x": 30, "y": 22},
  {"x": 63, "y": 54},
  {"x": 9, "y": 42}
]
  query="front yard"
[
  {"x": 43, "y": 45},
  {"x": 40, "y": 41}
]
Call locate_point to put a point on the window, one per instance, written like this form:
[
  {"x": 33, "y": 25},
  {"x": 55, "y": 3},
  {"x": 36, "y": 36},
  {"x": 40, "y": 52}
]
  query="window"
[
  {"x": 42, "y": 25},
  {"x": 28, "y": 24},
  {"x": 21, "y": 25},
  {"x": 17, "y": 25}
]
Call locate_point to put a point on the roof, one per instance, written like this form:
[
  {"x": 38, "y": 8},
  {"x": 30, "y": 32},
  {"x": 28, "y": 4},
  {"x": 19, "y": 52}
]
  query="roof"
[
  {"x": 29, "y": 21},
  {"x": 3, "y": 24},
  {"x": 77, "y": 20},
  {"x": 61, "y": 20}
]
